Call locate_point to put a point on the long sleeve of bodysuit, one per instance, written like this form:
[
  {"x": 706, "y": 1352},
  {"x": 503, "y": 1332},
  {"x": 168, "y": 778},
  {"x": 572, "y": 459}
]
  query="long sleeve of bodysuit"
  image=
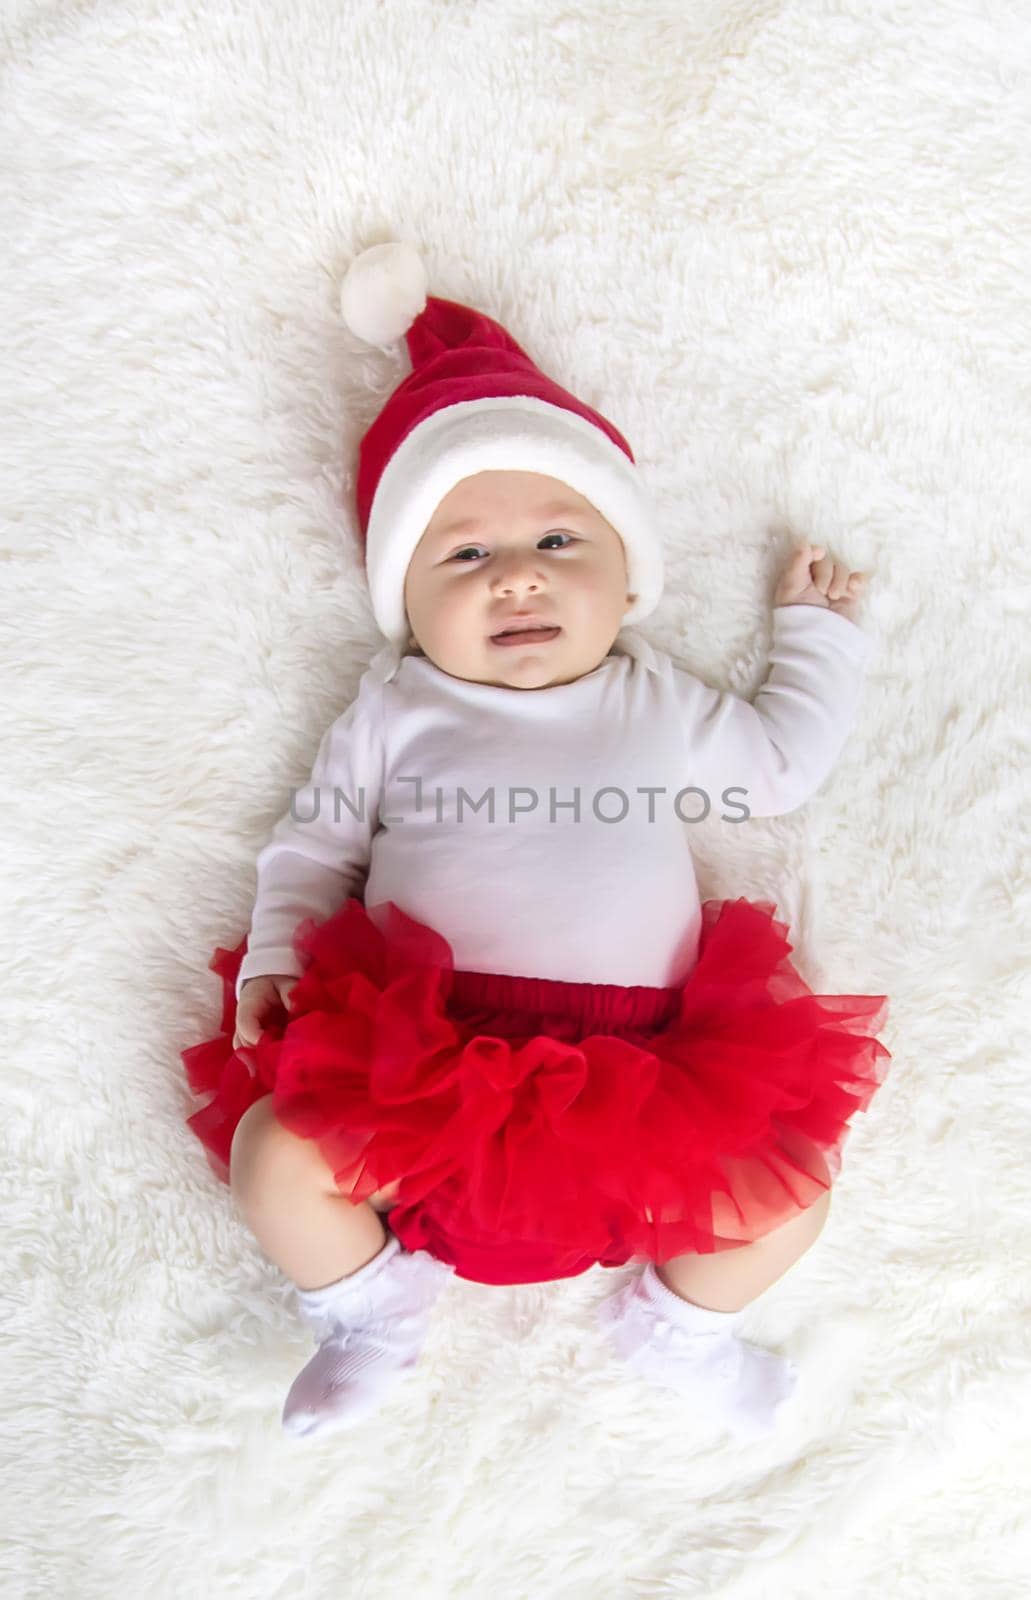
[
  {"x": 779, "y": 747},
  {"x": 318, "y": 854}
]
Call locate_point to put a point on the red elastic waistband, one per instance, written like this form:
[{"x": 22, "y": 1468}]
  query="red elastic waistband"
[{"x": 602, "y": 1005}]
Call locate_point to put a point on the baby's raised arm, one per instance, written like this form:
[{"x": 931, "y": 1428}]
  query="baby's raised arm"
[{"x": 775, "y": 750}]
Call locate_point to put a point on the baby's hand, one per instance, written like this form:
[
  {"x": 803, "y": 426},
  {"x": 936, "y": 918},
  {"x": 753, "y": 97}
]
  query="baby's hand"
[
  {"x": 812, "y": 578},
  {"x": 257, "y": 996}
]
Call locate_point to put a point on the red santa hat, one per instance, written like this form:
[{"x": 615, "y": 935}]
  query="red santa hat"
[{"x": 473, "y": 402}]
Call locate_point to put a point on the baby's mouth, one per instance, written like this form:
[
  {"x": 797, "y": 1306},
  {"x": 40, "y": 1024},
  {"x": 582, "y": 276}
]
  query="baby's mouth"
[{"x": 531, "y": 635}]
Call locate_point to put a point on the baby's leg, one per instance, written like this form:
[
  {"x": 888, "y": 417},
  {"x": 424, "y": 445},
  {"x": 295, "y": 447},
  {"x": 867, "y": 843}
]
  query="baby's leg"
[
  {"x": 729, "y": 1280},
  {"x": 285, "y": 1190},
  {"x": 365, "y": 1297},
  {"x": 702, "y": 1297}
]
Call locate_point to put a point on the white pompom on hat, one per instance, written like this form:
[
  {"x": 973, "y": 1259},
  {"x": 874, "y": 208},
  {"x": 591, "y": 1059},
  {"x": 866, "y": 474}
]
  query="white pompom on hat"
[
  {"x": 473, "y": 402},
  {"x": 383, "y": 292}
]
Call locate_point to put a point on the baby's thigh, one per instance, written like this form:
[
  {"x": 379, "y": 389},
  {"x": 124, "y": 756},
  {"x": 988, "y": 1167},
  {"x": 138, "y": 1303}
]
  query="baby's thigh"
[
  {"x": 263, "y": 1148},
  {"x": 263, "y": 1152}
]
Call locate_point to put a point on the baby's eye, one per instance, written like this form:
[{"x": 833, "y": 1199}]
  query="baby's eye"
[{"x": 569, "y": 536}]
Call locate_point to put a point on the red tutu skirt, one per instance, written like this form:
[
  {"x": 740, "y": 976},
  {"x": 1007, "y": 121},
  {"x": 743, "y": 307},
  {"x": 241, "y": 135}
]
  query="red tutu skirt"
[{"x": 536, "y": 1128}]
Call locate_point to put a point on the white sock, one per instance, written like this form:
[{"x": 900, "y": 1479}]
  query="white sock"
[
  {"x": 371, "y": 1328},
  {"x": 693, "y": 1350},
  {"x": 319, "y": 1305}
]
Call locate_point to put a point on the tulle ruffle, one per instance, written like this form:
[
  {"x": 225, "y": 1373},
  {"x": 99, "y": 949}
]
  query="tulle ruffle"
[{"x": 546, "y": 1136}]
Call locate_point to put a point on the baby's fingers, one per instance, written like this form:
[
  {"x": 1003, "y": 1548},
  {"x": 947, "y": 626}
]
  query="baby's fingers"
[
  {"x": 795, "y": 575},
  {"x": 837, "y": 580},
  {"x": 248, "y": 1030},
  {"x": 834, "y": 579},
  {"x": 244, "y": 1048},
  {"x": 803, "y": 556}
]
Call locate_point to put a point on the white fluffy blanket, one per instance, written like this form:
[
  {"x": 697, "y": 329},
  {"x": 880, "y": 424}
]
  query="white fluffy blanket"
[{"x": 787, "y": 248}]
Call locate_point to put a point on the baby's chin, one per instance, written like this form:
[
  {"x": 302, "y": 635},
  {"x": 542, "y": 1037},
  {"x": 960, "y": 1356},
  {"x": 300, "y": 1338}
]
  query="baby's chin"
[{"x": 495, "y": 672}]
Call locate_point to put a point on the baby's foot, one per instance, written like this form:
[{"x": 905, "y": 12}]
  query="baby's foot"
[
  {"x": 349, "y": 1376},
  {"x": 689, "y": 1349},
  {"x": 371, "y": 1329}
]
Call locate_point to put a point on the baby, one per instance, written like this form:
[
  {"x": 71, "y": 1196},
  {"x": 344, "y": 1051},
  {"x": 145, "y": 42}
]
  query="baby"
[{"x": 474, "y": 1031}]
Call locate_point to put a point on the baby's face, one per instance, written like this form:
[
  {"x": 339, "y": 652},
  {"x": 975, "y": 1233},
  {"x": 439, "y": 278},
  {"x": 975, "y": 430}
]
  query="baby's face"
[{"x": 531, "y": 544}]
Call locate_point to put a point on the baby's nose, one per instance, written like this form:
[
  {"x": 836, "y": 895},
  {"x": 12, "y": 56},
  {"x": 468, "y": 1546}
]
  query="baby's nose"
[{"x": 518, "y": 567}]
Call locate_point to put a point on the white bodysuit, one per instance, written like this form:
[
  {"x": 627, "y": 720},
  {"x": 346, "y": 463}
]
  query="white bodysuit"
[{"x": 546, "y": 832}]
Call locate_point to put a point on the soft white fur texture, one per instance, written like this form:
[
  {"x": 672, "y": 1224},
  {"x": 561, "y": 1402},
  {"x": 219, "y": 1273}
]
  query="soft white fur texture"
[{"x": 785, "y": 247}]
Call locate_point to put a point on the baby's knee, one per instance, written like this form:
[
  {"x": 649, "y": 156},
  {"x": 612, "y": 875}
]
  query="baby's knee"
[{"x": 263, "y": 1153}]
